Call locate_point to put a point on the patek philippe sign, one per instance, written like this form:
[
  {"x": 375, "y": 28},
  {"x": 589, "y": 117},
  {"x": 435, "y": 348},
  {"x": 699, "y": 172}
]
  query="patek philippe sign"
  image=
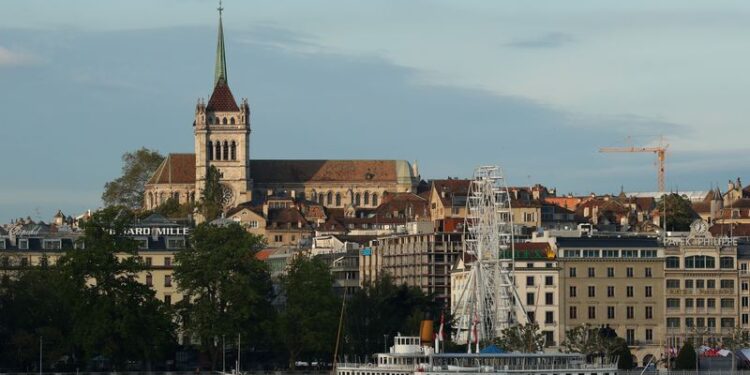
[
  {"x": 700, "y": 236},
  {"x": 156, "y": 231}
]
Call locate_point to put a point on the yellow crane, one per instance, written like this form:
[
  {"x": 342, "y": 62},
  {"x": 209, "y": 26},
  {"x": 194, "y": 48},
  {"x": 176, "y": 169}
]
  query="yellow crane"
[{"x": 660, "y": 151}]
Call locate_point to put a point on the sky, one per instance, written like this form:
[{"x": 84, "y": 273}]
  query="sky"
[{"x": 535, "y": 87}]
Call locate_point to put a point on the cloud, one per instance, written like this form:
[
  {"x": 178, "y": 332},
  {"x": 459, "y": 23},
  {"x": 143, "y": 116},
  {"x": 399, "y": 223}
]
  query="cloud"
[
  {"x": 548, "y": 40},
  {"x": 13, "y": 58}
]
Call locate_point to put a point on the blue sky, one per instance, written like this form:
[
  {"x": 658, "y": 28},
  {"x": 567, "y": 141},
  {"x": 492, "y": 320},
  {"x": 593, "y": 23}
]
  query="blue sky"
[{"x": 536, "y": 87}]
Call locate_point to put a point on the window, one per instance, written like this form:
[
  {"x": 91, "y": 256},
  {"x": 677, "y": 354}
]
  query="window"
[
  {"x": 224, "y": 121},
  {"x": 167, "y": 261},
  {"x": 629, "y": 272},
  {"x": 610, "y": 291},
  {"x": 231, "y": 120},
  {"x": 649, "y": 312},
  {"x": 672, "y": 262},
  {"x": 572, "y": 272},
  {"x": 673, "y": 303},
  {"x": 648, "y": 291},
  {"x": 592, "y": 272},
  {"x": 549, "y": 280},
  {"x": 630, "y": 336},
  {"x": 629, "y": 312},
  {"x": 700, "y": 261},
  {"x": 338, "y": 199},
  {"x": 142, "y": 243},
  {"x": 329, "y": 200},
  {"x": 745, "y": 319},
  {"x": 727, "y": 303},
  {"x": 591, "y": 253},
  {"x": 374, "y": 199},
  {"x": 52, "y": 244},
  {"x": 630, "y": 253},
  {"x": 611, "y": 253},
  {"x": 727, "y": 322},
  {"x": 745, "y": 302},
  {"x": 711, "y": 284},
  {"x": 700, "y": 303},
  {"x": 688, "y": 303},
  {"x": 573, "y": 291},
  {"x": 649, "y": 334},
  {"x": 148, "y": 261},
  {"x": 167, "y": 299},
  {"x": 592, "y": 312},
  {"x": 233, "y": 150},
  {"x": 673, "y": 284},
  {"x": 253, "y": 224},
  {"x": 726, "y": 262},
  {"x": 530, "y": 298},
  {"x": 532, "y": 316},
  {"x": 700, "y": 322},
  {"x": 176, "y": 243},
  {"x": 357, "y": 199},
  {"x": 700, "y": 284},
  {"x": 548, "y": 299},
  {"x": 648, "y": 253},
  {"x": 629, "y": 291},
  {"x": 688, "y": 284},
  {"x": 2, "y": 243},
  {"x": 572, "y": 253},
  {"x": 647, "y": 272},
  {"x": 592, "y": 291},
  {"x": 278, "y": 238},
  {"x": 689, "y": 322},
  {"x": 549, "y": 317},
  {"x": 711, "y": 322},
  {"x": 167, "y": 280},
  {"x": 610, "y": 272},
  {"x": 210, "y": 150},
  {"x": 673, "y": 322},
  {"x": 23, "y": 244},
  {"x": 529, "y": 280},
  {"x": 711, "y": 303},
  {"x": 149, "y": 279},
  {"x": 573, "y": 312},
  {"x": 24, "y": 261},
  {"x": 744, "y": 286},
  {"x": 727, "y": 284},
  {"x": 217, "y": 156},
  {"x": 610, "y": 312}
]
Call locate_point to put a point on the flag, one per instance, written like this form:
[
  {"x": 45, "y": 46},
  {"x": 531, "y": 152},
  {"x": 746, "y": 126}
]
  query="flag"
[{"x": 440, "y": 335}]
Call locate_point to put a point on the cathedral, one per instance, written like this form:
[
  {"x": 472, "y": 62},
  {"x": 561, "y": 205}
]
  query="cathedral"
[{"x": 222, "y": 130}]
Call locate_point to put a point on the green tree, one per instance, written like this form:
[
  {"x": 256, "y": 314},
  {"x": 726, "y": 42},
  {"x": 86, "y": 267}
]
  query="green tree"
[
  {"x": 173, "y": 209},
  {"x": 113, "y": 310},
  {"x": 526, "y": 338},
  {"x": 127, "y": 190},
  {"x": 230, "y": 289},
  {"x": 680, "y": 213},
  {"x": 736, "y": 340},
  {"x": 377, "y": 312},
  {"x": 308, "y": 320},
  {"x": 211, "y": 203},
  {"x": 618, "y": 347},
  {"x": 584, "y": 339},
  {"x": 686, "y": 358}
]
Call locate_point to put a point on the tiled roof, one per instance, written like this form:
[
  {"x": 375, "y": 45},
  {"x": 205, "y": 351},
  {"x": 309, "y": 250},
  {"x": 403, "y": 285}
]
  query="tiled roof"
[
  {"x": 285, "y": 171},
  {"x": 526, "y": 246},
  {"x": 175, "y": 169},
  {"x": 736, "y": 230},
  {"x": 222, "y": 99},
  {"x": 286, "y": 216}
]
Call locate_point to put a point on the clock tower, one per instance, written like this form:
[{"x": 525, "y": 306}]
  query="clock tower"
[{"x": 222, "y": 136}]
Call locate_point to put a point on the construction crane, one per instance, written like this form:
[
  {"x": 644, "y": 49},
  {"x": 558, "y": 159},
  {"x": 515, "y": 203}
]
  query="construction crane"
[{"x": 660, "y": 151}]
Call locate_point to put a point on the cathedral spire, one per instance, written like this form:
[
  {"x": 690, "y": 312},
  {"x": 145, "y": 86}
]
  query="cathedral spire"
[{"x": 220, "y": 72}]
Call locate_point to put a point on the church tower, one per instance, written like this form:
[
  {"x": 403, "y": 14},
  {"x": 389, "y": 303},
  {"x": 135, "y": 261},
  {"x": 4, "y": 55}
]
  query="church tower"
[{"x": 222, "y": 135}]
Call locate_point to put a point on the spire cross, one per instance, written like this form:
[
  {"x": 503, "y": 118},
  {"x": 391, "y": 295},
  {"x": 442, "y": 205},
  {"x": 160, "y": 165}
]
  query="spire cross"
[{"x": 220, "y": 8}]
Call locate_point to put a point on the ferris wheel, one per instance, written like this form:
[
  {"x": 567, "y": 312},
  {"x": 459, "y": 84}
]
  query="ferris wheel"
[{"x": 485, "y": 299}]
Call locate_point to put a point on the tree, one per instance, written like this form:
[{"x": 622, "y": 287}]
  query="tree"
[
  {"x": 128, "y": 189},
  {"x": 618, "y": 347},
  {"x": 737, "y": 339},
  {"x": 602, "y": 342},
  {"x": 378, "y": 311},
  {"x": 309, "y": 318},
  {"x": 686, "y": 358},
  {"x": 582, "y": 339},
  {"x": 230, "y": 289},
  {"x": 524, "y": 338},
  {"x": 211, "y": 198},
  {"x": 679, "y": 213},
  {"x": 114, "y": 315}
]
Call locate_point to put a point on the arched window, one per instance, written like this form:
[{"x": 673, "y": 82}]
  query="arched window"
[
  {"x": 367, "y": 198},
  {"x": 338, "y": 199},
  {"x": 726, "y": 262},
  {"x": 700, "y": 261},
  {"x": 233, "y": 151},
  {"x": 231, "y": 120},
  {"x": 321, "y": 198},
  {"x": 224, "y": 120},
  {"x": 374, "y": 199},
  {"x": 218, "y": 151},
  {"x": 357, "y": 198},
  {"x": 161, "y": 198},
  {"x": 329, "y": 201},
  {"x": 210, "y": 150},
  {"x": 210, "y": 120},
  {"x": 226, "y": 150}
]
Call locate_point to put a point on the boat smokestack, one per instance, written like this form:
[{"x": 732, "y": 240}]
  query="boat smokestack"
[{"x": 426, "y": 334}]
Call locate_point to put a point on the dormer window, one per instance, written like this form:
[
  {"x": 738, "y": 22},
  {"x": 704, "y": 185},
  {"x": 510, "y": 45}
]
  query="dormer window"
[
  {"x": 23, "y": 244},
  {"x": 2, "y": 243},
  {"x": 52, "y": 244}
]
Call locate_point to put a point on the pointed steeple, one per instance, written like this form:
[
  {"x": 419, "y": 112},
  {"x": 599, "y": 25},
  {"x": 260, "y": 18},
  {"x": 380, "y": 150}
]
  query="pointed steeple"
[{"x": 220, "y": 72}]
